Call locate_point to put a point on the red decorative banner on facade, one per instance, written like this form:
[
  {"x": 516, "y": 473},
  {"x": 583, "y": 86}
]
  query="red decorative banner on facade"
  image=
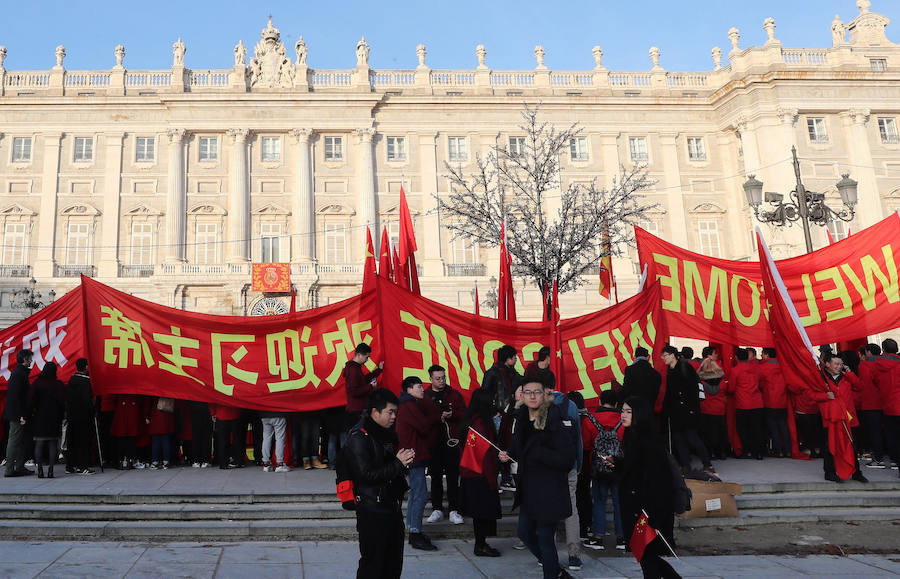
[
  {"x": 272, "y": 277},
  {"x": 836, "y": 289}
]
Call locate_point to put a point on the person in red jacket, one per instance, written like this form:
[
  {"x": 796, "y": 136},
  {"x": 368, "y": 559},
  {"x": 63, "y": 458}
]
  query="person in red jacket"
[
  {"x": 839, "y": 380},
  {"x": 358, "y": 384},
  {"x": 229, "y": 442},
  {"x": 889, "y": 387},
  {"x": 125, "y": 428},
  {"x": 160, "y": 419},
  {"x": 810, "y": 434},
  {"x": 713, "y": 424},
  {"x": 744, "y": 384},
  {"x": 774, "y": 392},
  {"x": 609, "y": 418},
  {"x": 444, "y": 457},
  {"x": 417, "y": 422}
]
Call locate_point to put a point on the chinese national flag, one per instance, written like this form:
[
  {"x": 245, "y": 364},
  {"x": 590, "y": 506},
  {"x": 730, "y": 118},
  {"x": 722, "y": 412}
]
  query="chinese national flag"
[
  {"x": 385, "y": 266},
  {"x": 506, "y": 308},
  {"x": 407, "y": 243},
  {"x": 642, "y": 535},
  {"x": 369, "y": 269},
  {"x": 400, "y": 272},
  {"x": 473, "y": 454}
]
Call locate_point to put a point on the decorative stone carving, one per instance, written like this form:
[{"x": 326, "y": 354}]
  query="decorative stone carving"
[
  {"x": 597, "y": 53},
  {"x": 838, "y": 31},
  {"x": 362, "y": 52},
  {"x": 863, "y": 6},
  {"x": 335, "y": 209},
  {"x": 207, "y": 209},
  {"x": 787, "y": 116},
  {"x": 175, "y": 135},
  {"x": 80, "y": 209},
  {"x": 60, "y": 55},
  {"x": 178, "y": 50},
  {"x": 867, "y": 29},
  {"x": 420, "y": 54},
  {"x": 769, "y": 27},
  {"x": 120, "y": 56},
  {"x": 302, "y": 135},
  {"x": 717, "y": 57},
  {"x": 734, "y": 35},
  {"x": 240, "y": 54},
  {"x": 271, "y": 209},
  {"x": 301, "y": 51},
  {"x": 707, "y": 208},
  {"x": 271, "y": 68},
  {"x": 481, "y": 54},
  {"x": 142, "y": 210},
  {"x": 238, "y": 135},
  {"x": 2, "y": 56},
  {"x": 366, "y": 134},
  {"x": 654, "y": 57},
  {"x": 539, "y": 56},
  {"x": 859, "y": 116}
]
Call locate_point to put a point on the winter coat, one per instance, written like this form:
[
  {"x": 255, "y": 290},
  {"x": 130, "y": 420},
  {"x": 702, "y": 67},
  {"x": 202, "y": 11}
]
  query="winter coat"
[
  {"x": 47, "y": 401},
  {"x": 744, "y": 384},
  {"x": 867, "y": 396},
  {"x": 543, "y": 375},
  {"x": 128, "y": 416},
  {"x": 802, "y": 400},
  {"x": 452, "y": 400},
  {"x": 771, "y": 381},
  {"x": 842, "y": 386},
  {"x": 159, "y": 422},
  {"x": 79, "y": 399},
  {"x": 682, "y": 401},
  {"x": 17, "y": 394},
  {"x": 501, "y": 381},
  {"x": 646, "y": 482},
  {"x": 478, "y": 493},
  {"x": 544, "y": 451},
  {"x": 888, "y": 381},
  {"x": 222, "y": 412},
  {"x": 378, "y": 475},
  {"x": 570, "y": 412},
  {"x": 641, "y": 379},
  {"x": 417, "y": 425},
  {"x": 358, "y": 385}
]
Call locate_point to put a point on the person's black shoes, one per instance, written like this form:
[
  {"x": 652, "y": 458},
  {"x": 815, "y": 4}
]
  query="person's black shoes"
[
  {"x": 833, "y": 477},
  {"x": 486, "y": 551},
  {"x": 421, "y": 542},
  {"x": 859, "y": 477}
]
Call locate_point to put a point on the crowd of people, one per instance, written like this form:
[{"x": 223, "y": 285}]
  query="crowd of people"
[{"x": 564, "y": 459}]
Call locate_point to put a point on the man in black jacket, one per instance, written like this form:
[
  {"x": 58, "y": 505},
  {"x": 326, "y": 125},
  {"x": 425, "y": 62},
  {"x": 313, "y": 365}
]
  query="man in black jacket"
[
  {"x": 641, "y": 378},
  {"x": 544, "y": 447},
  {"x": 16, "y": 412},
  {"x": 682, "y": 407},
  {"x": 501, "y": 380},
  {"x": 80, "y": 414},
  {"x": 378, "y": 469}
]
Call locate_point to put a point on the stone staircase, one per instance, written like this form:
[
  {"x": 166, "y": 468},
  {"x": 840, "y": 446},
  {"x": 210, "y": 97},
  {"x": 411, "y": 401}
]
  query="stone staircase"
[{"x": 318, "y": 516}]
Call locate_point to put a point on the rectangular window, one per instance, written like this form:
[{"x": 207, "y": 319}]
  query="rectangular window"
[
  {"x": 696, "y": 149},
  {"x": 207, "y": 242},
  {"x": 878, "y": 64},
  {"x": 838, "y": 229},
  {"x": 270, "y": 234},
  {"x": 649, "y": 227},
  {"x": 464, "y": 251},
  {"x": 145, "y": 149},
  {"x": 396, "y": 148},
  {"x": 209, "y": 149},
  {"x": 888, "y": 129},
  {"x": 709, "y": 238},
  {"x": 141, "y": 244},
  {"x": 637, "y": 147},
  {"x": 457, "y": 150},
  {"x": 271, "y": 149},
  {"x": 335, "y": 243},
  {"x": 817, "y": 131},
  {"x": 334, "y": 149},
  {"x": 21, "y": 150},
  {"x": 84, "y": 151},
  {"x": 14, "y": 244},
  {"x": 517, "y": 146},
  {"x": 578, "y": 149},
  {"x": 77, "y": 244}
]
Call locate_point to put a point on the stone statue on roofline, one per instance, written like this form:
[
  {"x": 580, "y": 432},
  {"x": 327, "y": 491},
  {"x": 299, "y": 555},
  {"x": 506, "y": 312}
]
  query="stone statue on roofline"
[
  {"x": 838, "y": 31},
  {"x": 178, "y": 50},
  {"x": 240, "y": 54},
  {"x": 270, "y": 67},
  {"x": 362, "y": 52},
  {"x": 302, "y": 51}
]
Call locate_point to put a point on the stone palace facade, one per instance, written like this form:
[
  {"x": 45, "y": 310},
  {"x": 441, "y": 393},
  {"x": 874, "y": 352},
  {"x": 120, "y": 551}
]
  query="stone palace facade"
[{"x": 169, "y": 183}]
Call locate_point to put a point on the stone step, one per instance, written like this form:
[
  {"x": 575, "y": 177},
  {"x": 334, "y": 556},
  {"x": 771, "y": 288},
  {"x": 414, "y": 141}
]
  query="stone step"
[
  {"x": 174, "y": 512},
  {"x": 826, "y": 499},
  {"x": 793, "y": 515}
]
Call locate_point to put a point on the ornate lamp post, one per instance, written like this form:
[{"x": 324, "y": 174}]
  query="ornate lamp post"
[
  {"x": 807, "y": 206},
  {"x": 30, "y": 299},
  {"x": 492, "y": 298}
]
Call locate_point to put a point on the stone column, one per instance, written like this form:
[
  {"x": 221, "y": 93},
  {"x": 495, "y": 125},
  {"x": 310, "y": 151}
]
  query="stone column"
[
  {"x": 431, "y": 222},
  {"x": 869, "y": 209},
  {"x": 305, "y": 208},
  {"x": 367, "y": 209},
  {"x": 112, "y": 179},
  {"x": 176, "y": 205},
  {"x": 238, "y": 249},
  {"x": 608, "y": 152},
  {"x": 738, "y": 216},
  {"x": 749, "y": 146},
  {"x": 674, "y": 193},
  {"x": 45, "y": 264}
]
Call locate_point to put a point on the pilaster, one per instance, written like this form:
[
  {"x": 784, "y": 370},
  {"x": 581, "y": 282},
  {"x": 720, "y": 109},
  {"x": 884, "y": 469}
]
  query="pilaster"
[
  {"x": 869, "y": 209},
  {"x": 674, "y": 193},
  {"x": 431, "y": 230},
  {"x": 368, "y": 216},
  {"x": 305, "y": 210},
  {"x": 238, "y": 249},
  {"x": 45, "y": 263},
  {"x": 176, "y": 204},
  {"x": 112, "y": 173}
]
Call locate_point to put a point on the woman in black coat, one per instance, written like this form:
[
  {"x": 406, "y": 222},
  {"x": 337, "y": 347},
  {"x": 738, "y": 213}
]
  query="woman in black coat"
[
  {"x": 646, "y": 483},
  {"x": 479, "y": 492},
  {"x": 48, "y": 407}
]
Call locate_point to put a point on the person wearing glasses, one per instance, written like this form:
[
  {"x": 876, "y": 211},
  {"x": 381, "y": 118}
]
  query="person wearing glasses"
[
  {"x": 543, "y": 449},
  {"x": 445, "y": 452}
]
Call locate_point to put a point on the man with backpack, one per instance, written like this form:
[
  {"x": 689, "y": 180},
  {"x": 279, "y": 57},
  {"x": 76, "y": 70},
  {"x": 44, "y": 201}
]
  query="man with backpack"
[{"x": 606, "y": 449}]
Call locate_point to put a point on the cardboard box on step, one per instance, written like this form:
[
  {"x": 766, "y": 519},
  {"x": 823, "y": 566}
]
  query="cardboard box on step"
[{"x": 712, "y": 499}]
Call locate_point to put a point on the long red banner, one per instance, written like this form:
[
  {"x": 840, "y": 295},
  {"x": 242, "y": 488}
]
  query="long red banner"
[{"x": 836, "y": 289}]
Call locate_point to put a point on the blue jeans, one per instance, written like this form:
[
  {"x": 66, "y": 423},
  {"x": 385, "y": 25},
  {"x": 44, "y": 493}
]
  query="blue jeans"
[
  {"x": 335, "y": 442},
  {"x": 600, "y": 491},
  {"x": 161, "y": 447},
  {"x": 418, "y": 496},
  {"x": 540, "y": 538}
]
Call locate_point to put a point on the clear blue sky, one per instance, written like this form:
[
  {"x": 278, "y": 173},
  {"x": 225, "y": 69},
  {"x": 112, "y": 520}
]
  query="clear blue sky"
[{"x": 684, "y": 31}]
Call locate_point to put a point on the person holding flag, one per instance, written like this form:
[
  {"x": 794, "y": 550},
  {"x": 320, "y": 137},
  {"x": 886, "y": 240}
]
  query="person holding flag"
[
  {"x": 836, "y": 400},
  {"x": 478, "y": 469}
]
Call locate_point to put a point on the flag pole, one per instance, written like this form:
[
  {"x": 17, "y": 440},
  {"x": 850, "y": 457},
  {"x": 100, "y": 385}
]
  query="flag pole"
[
  {"x": 660, "y": 535},
  {"x": 489, "y": 442}
]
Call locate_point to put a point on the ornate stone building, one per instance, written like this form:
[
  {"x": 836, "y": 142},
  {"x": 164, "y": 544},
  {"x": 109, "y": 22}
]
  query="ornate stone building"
[{"x": 170, "y": 183}]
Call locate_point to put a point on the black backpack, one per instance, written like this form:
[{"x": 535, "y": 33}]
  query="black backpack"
[
  {"x": 343, "y": 477},
  {"x": 681, "y": 495},
  {"x": 606, "y": 443}
]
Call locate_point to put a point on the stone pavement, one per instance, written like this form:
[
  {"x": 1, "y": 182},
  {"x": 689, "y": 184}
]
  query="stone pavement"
[{"x": 339, "y": 559}]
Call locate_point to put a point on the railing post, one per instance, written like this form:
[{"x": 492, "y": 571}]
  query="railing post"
[
  {"x": 482, "y": 73},
  {"x": 58, "y": 73},
  {"x": 2, "y": 71}
]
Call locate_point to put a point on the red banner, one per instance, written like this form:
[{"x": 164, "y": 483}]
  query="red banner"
[
  {"x": 271, "y": 277},
  {"x": 54, "y": 333},
  {"x": 835, "y": 289}
]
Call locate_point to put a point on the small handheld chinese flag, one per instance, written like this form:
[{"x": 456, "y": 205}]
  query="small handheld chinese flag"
[
  {"x": 473, "y": 454},
  {"x": 642, "y": 535}
]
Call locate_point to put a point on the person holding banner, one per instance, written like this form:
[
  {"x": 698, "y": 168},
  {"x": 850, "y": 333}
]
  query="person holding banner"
[
  {"x": 358, "y": 384},
  {"x": 16, "y": 414},
  {"x": 478, "y": 488},
  {"x": 748, "y": 397},
  {"x": 838, "y": 389},
  {"x": 80, "y": 416},
  {"x": 889, "y": 388},
  {"x": 47, "y": 403},
  {"x": 682, "y": 407},
  {"x": 641, "y": 378},
  {"x": 774, "y": 392},
  {"x": 870, "y": 408}
]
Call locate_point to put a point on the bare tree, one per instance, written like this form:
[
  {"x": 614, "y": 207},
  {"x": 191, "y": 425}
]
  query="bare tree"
[{"x": 522, "y": 184}]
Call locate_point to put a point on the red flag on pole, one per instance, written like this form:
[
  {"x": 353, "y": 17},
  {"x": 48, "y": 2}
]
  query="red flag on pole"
[
  {"x": 473, "y": 454},
  {"x": 642, "y": 535},
  {"x": 385, "y": 266},
  {"x": 477, "y": 304},
  {"x": 556, "y": 359},
  {"x": 400, "y": 272},
  {"x": 830, "y": 238},
  {"x": 407, "y": 243},
  {"x": 607, "y": 282},
  {"x": 545, "y": 315},
  {"x": 801, "y": 364},
  {"x": 506, "y": 308},
  {"x": 369, "y": 268},
  {"x": 293, "y": 299}
]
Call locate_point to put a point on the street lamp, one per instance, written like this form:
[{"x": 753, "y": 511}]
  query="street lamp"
[
  {"x": 29, "y": 298},
  {"x": 807, "y": 206}
]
